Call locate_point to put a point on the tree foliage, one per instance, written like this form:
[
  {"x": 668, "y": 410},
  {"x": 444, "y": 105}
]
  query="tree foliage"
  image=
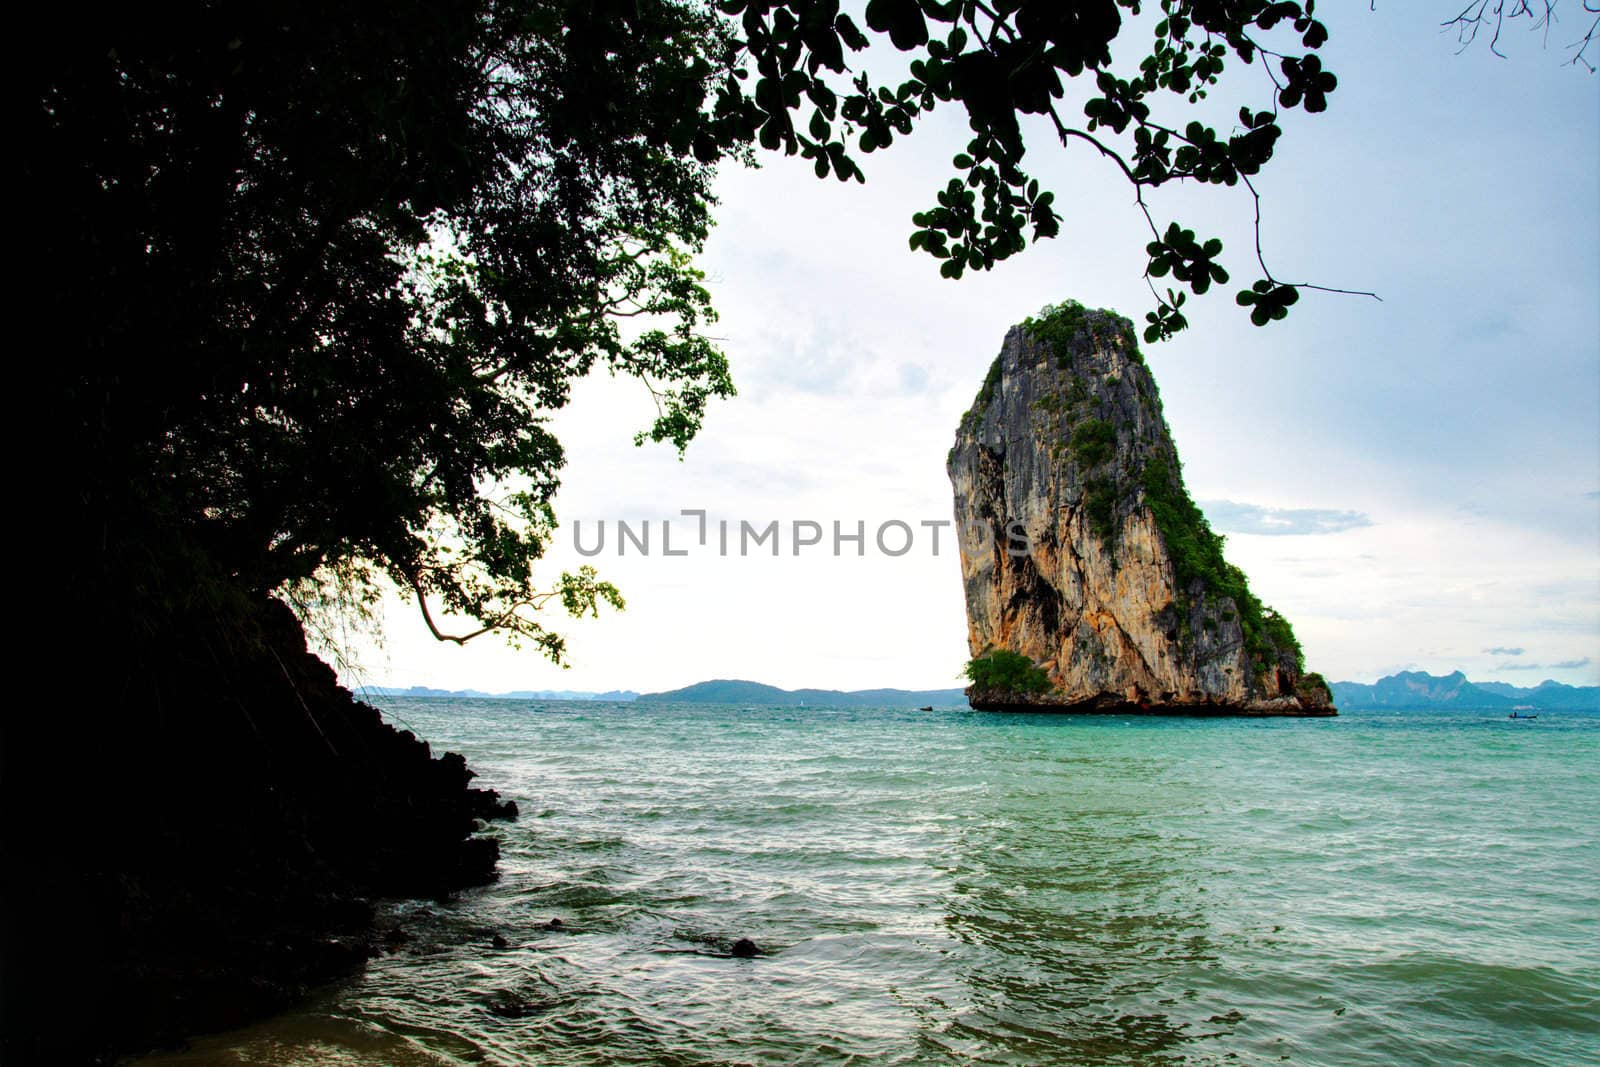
[
  {"x": 1007, "y": 61},
  {"x": 1004, "y": 671},
  {"x": 317, "y": 274}
]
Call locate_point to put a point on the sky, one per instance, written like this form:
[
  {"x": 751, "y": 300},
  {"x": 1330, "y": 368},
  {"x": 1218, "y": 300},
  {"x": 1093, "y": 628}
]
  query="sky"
[{"x": 1414, "y": 482}]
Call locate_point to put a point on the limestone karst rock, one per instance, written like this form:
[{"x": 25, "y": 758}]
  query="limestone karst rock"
[{"x": 1081, "y": 550}]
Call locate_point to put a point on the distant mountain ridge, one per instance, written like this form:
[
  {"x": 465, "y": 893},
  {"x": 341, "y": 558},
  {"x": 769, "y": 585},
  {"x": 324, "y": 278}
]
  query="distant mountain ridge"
[
  {"x": 719, "y": 691},
  {"x": 622, "y": 695},
  {"x": 1408, "y": 689},
  {"x": 1548, "y": 693},
  {"x": 1418, "y": 689},
  {"x": 738, "y": 691}
]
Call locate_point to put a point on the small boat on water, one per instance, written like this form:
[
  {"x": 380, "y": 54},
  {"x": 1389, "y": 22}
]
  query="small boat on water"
[{"x": 1515, "y": 715}]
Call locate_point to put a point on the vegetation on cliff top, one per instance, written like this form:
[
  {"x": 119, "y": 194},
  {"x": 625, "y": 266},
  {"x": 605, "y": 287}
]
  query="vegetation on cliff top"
[
  {"x": 1093, "y": 440},
  {"x": 1058, "y": 325}
]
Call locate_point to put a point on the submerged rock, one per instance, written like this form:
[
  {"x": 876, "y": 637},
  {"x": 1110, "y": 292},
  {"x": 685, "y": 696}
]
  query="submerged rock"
[
  {"x": 1081, "y": 550},
  {"x": 744, "y": 948}
]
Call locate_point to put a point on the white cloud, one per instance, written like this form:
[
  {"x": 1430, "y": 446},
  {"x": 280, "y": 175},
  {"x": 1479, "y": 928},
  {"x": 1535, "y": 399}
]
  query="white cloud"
[
  {"x": 1228, "y": 516},
  {"x": 1564, "y": 665}
]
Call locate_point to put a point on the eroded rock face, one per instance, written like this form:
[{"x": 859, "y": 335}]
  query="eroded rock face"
[{"x": 1081, "y": 550}]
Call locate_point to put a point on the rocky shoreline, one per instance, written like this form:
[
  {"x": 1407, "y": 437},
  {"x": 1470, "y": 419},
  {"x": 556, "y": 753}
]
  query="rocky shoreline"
[
  {"x": 1199, "y": 709},
  {"x": 224, "y": 823}
]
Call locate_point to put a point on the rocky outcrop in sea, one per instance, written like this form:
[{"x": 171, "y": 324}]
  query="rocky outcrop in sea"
[{"x": 1082, "y": 551}]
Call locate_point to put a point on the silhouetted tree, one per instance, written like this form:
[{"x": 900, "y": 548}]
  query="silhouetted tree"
[
  {"x": 1006, "y": 61},
  {"x": 315, "y": 272},
  {"x": 1491, "y": 18},
  {"x": 315, "y": 275}
]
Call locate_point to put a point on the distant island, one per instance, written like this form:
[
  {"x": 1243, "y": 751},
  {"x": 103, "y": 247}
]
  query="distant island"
[
  {"x": 719, "y": 691},
  {"x": 1417, "y": 689},
  {"x": 733, "y": 691},
  {"x": 1406, "y": 690},
  {"x": 478, "y": 694}
]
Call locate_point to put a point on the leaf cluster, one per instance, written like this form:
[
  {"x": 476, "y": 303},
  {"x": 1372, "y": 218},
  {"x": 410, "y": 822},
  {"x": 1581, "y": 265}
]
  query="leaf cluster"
[
  {"x": 318, "y": 276},
  {"x": 1007, "y": 61}
]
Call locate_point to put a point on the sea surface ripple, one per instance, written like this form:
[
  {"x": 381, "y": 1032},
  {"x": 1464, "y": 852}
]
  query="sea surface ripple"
[{"x": 969, "y": 888}]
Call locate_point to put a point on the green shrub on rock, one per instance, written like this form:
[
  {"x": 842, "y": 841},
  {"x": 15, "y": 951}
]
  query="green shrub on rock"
[{"x": 1002, "y": 670}]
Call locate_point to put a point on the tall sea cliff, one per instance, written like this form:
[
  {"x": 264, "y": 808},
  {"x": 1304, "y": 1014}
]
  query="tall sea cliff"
[{"x": 1082, "y": 551}]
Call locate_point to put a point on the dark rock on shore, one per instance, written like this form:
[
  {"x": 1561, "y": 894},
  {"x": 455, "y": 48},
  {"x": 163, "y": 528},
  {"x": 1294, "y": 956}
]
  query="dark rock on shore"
[{"x": 198, "y": 838}]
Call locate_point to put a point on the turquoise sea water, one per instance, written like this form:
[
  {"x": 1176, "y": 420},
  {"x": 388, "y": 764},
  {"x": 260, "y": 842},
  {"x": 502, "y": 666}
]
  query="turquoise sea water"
[{"x": 960, "y": 887}]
